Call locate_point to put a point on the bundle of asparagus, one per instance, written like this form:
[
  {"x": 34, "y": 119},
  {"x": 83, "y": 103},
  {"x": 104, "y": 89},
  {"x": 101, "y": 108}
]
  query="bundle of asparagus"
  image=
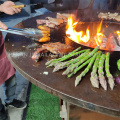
[
  {"x": 78, "y": 78},
  {"x": 89, "y": 58}
]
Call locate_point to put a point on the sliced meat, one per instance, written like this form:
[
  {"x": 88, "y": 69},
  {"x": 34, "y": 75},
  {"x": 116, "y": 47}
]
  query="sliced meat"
[
  {"x": 49, "y": 24},
  {"x": 112, "y": 15},
  {"x": 58, "y": 48},
  {"x": 62, "y": 16},
  {"x": 56, "y": 21},
  {"x": 117, "y": 18},
  {"x": 37, "y": 54},
  {"x": 103, "y": 15},
  {"x": 41, "y": 21}
]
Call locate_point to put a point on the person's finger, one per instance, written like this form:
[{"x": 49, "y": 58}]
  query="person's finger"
[
  {"x": 3, "y": 26},
  {"x": 14, "y": 10},
  {"x": 18, "y": 9},
  {"x": 11, "y": 3}
]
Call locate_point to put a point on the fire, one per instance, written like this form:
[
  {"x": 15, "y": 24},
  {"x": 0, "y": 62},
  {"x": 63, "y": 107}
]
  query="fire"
[
  {"x": 118, "y": 33},
  {"x": 81, "y": 36},
  {"x": 74, "y": 35},
  {"x": 99, "y": 35}
]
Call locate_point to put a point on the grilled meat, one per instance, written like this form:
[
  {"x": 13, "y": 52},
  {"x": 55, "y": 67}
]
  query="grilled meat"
[
  {"x": 112, "y": 15},
  {"x": 41, "y": 21},
  {"x": 109, "y": 16},
  {"x": 42, "y": 27},
  {"x": 37, "y": 54},
  {"x": 103, "y": 15},
  {"x": 44, "y": 39},
  {"x": 62, "y": 16},
  {"x": 58, "y": 48},
  {"x": 55, "y": 20},
  {"x": 55, "y": 48},
  {"x": 50, "y": 24},
  {"x": 117, "y": 18}
]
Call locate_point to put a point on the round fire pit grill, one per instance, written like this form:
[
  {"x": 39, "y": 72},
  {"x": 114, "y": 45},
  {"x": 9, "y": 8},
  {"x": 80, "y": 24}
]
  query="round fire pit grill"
[{"x": 20, "y": 50}]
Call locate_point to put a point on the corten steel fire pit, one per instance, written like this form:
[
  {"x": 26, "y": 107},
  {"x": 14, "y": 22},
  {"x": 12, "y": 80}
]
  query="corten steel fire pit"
[{"x": 20, "y": 50}]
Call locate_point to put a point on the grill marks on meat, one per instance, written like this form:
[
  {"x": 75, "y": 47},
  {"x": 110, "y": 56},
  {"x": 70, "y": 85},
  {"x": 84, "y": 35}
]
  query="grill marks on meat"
[
  {"x": 58, "y": 48},
  {"x": 55, "y": 48},
  {"x": 55, "y": 20},
  {"x": 37, "y": 54},
  {"x": 46, "y": 22}
]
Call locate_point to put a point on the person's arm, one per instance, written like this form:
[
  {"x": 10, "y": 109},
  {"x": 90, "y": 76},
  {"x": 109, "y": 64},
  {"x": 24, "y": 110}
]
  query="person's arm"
[{"x": 7, "y": 7}]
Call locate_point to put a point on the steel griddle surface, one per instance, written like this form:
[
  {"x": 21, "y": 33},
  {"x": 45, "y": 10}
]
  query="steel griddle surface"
[{"x": 20, "y": 50}]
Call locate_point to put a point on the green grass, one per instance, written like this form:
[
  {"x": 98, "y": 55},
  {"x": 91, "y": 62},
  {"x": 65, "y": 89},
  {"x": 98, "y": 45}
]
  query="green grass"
[{"x": 42, "y": 105}]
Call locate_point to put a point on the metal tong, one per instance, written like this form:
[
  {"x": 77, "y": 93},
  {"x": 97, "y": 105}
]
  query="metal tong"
[{"x": 32, "y": 33}]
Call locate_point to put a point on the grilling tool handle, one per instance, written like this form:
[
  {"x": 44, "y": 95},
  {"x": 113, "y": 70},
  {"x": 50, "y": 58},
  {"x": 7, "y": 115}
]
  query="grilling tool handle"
[
  {"x": 19, "y": 6},
  {"x": 22, "y": 6}
]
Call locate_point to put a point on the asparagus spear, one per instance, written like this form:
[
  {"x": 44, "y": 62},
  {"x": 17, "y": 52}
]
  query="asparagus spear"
[
  {"x": 62, "y": 65},
  {"x": 78, "y": 78},
  {"x": 101, "y": 73},
  {"x": 73, "y": 66},
  {"x": 77, "y": 69},
  {"x": 109, "y": 75},
  {"x": 94, "y": 76},
  {"x": 54, "y": 60}
]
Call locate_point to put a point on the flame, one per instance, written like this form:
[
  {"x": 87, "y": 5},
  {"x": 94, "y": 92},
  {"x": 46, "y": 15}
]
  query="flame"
[
  {"x": 118, "y": 33},
  {"x": 74, "y": 35},
  {"x": 99, "y": 35},
  {"x": 82, "y": 36}
]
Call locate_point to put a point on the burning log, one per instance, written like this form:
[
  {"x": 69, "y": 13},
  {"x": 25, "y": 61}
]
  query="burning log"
[
  {"x": 111, "y": 44},
  {"x": 101, "y": 40},
  {"x": 117, "y": 35}
]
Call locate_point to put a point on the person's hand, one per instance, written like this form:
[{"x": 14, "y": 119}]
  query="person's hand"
[
  {"x": 3, "y": 26},
  {"x": 7, "y": 7}
]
